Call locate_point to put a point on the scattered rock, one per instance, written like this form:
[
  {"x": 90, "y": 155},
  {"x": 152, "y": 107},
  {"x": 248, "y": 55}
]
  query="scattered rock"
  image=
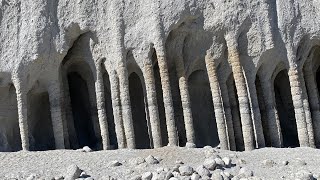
[
  {"x": 114, "y": 163},
  {"x": 210, "y": 164},
  {"x": 210, "y": 153},
  {"x": 203, "y": 171},
  {"x": 136, "y": 161},
  {"x": 207, "y": 147},
  {"x": 146, "y": 176},
  {"x": 227, "y": 161},
  {"x": 298, "y": 162},
  {"x": 72, "y": 172},
  {"x": 303, "y": 175},
  {"x": 268, "y": 163},
  {"x": 245, "y": 173},
  {"x": 32, "y": 177},
  {"x": 220, "y": 163},
  {"x": 179, "y": 162},
  {"x": 151, "y": 160},
  {"x": 169, "y": 175},
  {"x": 137, "y": 177},
  {"x": 87, "y": 149},
  {"x": 195, "y": 176},
  {"x": 59, "y": 178},
  {"x": 175, "y": 174},
  {"x": 173, "y": 178},
  {"x": 216, "y": 175},
  {"x": 190, "y": 145},
  {"x": 176, "y": 168},
  {"x": 285, "y": 163},
  {"x": 186, "y": 170}
]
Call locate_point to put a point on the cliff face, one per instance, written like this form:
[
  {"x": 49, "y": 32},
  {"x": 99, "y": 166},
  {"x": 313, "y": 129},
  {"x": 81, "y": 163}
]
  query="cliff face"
[
  {"x": 178, "y": 65},
  {"x": 36, "y": 35}
]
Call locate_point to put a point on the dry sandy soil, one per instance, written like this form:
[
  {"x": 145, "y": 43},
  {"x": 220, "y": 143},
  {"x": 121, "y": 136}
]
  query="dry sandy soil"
[{"x": 54, "y": 164}]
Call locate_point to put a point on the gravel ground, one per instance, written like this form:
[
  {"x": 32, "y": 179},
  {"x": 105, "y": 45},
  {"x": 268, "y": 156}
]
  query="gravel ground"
[{"x": 266, "y": 163}]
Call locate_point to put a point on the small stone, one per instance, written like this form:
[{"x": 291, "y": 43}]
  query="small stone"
[
  {"x": 114, "y": 163},
  {"x": 210, "y": 164},
  {"x": 210, "y": 152},
  {"x": 207, "y": 147},
  {"x": 146, "y": 176},
  {"x": 190, "y": 145},
  {"x": 72, "y": 172},
  {"x": 268, "y": 163},
  {"x": 173, "y": 178},
  {"x": 216, "y": 175},
  {"x": 32, "y": 177},
  {"x": 285, "y": 163},
  {"x": 58, "y": 178},
  {"x": 242, "y": 162},
  {"x": 151, "y": 160},
  {"x": 89, "y": 178},
  {"x": 220, "y": 163},
  {"x": 227, "y": 161},
  {"x": 136, "y": 161},
  {"x": 244, "y": 172},
  {"x": 176, "y": 168},
  {"x": 304, "y": 175},
  {"x": 299, "y": 162},
  {"x": 179, "y": 162},
  {"x": 160, "y": 170},
  {"x": 195, "y": 176},
  {"x": 203, "y": 171},
  {"x": 137, "y": 177},
  {"x": 87, "y": 149},
  {"x": 186, "y": 170},
  {"x": 175, "y": 174},
  {"x": 169, "y": 175}
]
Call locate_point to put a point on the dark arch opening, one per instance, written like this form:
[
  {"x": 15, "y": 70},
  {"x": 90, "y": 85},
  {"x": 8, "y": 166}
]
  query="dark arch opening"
[
  {"x": 235, "y": 111},
  {"x": 39, "y": 122},
  {"x": 138, "y": 112},
  {"x": 286, "y": 110},
  {"x": 318, "y": 79},
  {"x": 204, "y": 121},
  {"x": 162, "y": 115},
  {"x": 264, "y": 118},
  {"x": 81, "y": 106},
  {"x": 109, "y": 111},
  {"x": 10, "y": 139}
]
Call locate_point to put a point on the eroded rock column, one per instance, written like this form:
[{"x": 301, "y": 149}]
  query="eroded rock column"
[
  {"x": 312, "y": 90},
  {"x": 116, "y": 107},
  {"x": 55, "y": 96},
  {"x": 126, "y": 106},
  {"x": 185, "y": 101},
  {"x": 217, "y": 101},
  {"x": 240, "y": 83},
  {"x": 22, "y": 112},
  {"x": 167, "y": 98},
  {"x": 152, "y": 104},
  {"x": 297, "y": 98},
  {"x": 307, "y": 111},
  {"x": 256, "y": 116},
  {"x": 228, "y": 116},
  {"x": 271, "y": 111},
  {"x": 101, "y": 107}
]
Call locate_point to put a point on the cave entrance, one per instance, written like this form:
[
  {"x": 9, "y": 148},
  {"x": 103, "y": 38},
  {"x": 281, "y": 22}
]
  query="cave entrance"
[
  {"x": 109, "y": 111},
  {"x": 138, "y": 112},
  {"x": 39, "y": 122},
  {"x": 286, "y": 110},
  {"x": 80, "y": 104},
  {"x": 204, "y": 121}
]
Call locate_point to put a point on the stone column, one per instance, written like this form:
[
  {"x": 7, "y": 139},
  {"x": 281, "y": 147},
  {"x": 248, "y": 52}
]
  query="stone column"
[
  {"x": 101, "y": 107},
  {"x": 256, "y": 116},
  {"x": 22, "y": 112},
  {"x": 240, "y": 83},
  {"x": 152, "y": 104},
  {"x": 116, "y": 107},
  {"x": 167, "y": 98},
  {"x": 217, "y": 101},
  {"x": 126, "y": 106},
  {"x": 297, "y": 97},
  {"x": 55, "y": 96},
  {"x": 307, "y": 111},
  {"x": 314, "y": 102},
  {"x": 228, "y": 115},
  {"x": 235, "y": 116},
  {"x": 185, "y": 101},
  {"x": 272, "y": 114}
]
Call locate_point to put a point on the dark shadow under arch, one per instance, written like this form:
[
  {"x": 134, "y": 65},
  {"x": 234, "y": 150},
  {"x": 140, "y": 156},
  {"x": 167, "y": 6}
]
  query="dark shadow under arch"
[{"x": 204, "y": 121}]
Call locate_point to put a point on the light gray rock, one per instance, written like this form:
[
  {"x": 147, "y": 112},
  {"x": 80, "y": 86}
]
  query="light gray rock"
[
  {"x": 136, "y": 177},
  {"x": 268, "y": 163},
  {"x": 303, "y": 175},
  {"x": 114, "y": 163},
  {"x": 87, "y": 149},
  {"x": 190, "y": 145},
  {"x": 72, "y": 172},
  {"x": 146, "y": 176},
  {"x": 210, "y": 164},
  {"x": 202, "y": 171},
  {"x": 186, "y": 170},
  {"x": 151, "y": 160},
  {"x": 195, "y": 176},
  {"x": 227, "y": 161},
  {"x": 220, "y": 163},
  {"x": 136, "y": 161}
]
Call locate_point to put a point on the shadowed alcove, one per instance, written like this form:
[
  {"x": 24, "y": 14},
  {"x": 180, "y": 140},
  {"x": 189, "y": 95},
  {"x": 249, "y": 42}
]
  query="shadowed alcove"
[
  {"x": 140, "y": 123},
  {"x": 39, "y": 122},
  {"x": 285, "y": 110},
  {"x": 202, "y": 109}
]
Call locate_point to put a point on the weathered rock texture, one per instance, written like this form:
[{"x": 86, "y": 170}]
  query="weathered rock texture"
[{"x": 144, "y": 74}]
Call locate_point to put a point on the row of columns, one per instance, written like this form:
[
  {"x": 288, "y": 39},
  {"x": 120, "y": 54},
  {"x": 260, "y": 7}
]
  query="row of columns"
[{"x": 232, "y": 127}]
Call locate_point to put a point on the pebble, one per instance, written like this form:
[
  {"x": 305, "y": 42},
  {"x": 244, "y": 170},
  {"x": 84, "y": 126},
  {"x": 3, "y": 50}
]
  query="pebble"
[
  {"x": 268, "y": 163},
  {"x": 151, "y": 160},
  {"x": 220, "y": 163},
  {"x": 72, "y": 172},
  {"x": 186, "y": 170},
  {"x": 195, "y": 176},
  {"x": 190, "y": 145},
  {"x": 87, "y": 149},
  {"x": 210, "y": 164},
  {"x": 114, "y": 163},
  {"x": 136, "y": 161},
  {"x": 227, "y": 161},
  {"x": 137, "y": 177},
  {"x": 146, "y": 176},
  {"x": 203, "y": 171}
]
